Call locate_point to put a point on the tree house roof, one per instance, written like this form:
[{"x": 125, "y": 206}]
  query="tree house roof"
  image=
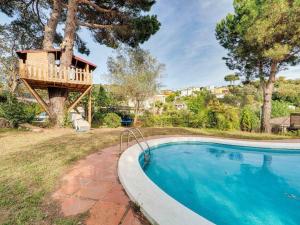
[{"x": 22, "y": 55}]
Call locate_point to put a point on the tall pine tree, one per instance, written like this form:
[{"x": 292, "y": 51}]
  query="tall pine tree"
[{"x": 262, "y": 38}]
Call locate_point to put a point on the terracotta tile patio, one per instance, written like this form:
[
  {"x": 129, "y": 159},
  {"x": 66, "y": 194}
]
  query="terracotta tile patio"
[{"x": 92, "y": 185}]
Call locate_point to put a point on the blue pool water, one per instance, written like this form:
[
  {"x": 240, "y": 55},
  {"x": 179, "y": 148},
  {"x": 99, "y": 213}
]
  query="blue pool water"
[{"x": 230, "y": 184}]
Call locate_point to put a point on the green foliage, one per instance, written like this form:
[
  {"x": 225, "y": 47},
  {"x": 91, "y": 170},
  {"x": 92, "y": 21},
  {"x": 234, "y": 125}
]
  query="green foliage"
[
  {"x": 231, "y": 78},
  {"x": 17, "y": 112},
  {"x": 148, "y": 120},
  {"x": 259, "y": 34},
  {"x": 112, "y": 120},
  {"x": 167, "y": 119},
  {"x": 103, "y": 103},
  {"x": 249, "y": 120},
  {"x": 222, "y": 117},
  {"x": 180, "y": 118},
  {"x": 134, "y": 74},
  {"x": 136, "y": 26},
  {"x": 199, "y": 102},
  {"x": 280, "y": 108},
  {"x": 287, "y": 91},
  {"x": 171, "y": 98},
  {"x": 200, "y": 120},
  {"x": 67, "y": 121},
  {"x": 241, "y": 96},
  {"x": 262, "y": 38}
]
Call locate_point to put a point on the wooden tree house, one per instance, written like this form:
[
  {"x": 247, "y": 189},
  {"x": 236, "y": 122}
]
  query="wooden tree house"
[{"x": 38, "y": 70}]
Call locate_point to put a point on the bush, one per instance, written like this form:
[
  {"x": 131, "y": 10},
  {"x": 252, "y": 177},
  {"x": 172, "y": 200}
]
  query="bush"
[
  {"x": 249, "y": 120},
  {"x": 148, "y": 119},
  {"x": 17, "y": 112},
  {"x": 164, "y": 120},
  {"x": 232, "y": 117},
  {"x": 112, "y": 120},
  {"x": 199, "y": 120},
  {"x": 280, "y": 108},
  {"x": 67, "y": 122},
  {"x": 222, "y": 117},
  {"x": 98, "y": 119},
  {"x": 180, "y": 118}
]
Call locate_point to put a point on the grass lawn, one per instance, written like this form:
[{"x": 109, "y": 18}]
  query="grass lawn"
[{"x": 31, "y": 164}]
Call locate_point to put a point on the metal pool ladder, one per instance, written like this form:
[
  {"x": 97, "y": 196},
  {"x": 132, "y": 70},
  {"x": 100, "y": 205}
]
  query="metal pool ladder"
[{"x": 136, "y": 133}]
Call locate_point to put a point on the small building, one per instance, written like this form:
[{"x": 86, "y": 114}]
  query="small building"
[
  {"x": 280, "y": 124},
  {"x": 189, "y": 91},
  {"x": 220, "y": 92},
  {"x": 149, "y": 103},
  {"x": 295, "y": 121}
]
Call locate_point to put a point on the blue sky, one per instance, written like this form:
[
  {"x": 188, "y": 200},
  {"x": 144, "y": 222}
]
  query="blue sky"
[{"x": 185, "y": 43}]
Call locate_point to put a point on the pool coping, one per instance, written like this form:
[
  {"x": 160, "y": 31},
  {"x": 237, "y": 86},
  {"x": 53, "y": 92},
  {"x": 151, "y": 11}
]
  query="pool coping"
[{"x": 155, "y": 204}]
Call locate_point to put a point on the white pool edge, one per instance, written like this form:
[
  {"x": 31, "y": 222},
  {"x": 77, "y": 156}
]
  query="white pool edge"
[{"x": 155, "y": 204}]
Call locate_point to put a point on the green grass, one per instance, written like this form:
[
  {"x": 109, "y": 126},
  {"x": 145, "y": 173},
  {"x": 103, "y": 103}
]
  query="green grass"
[{"x": 32, "y": 163}]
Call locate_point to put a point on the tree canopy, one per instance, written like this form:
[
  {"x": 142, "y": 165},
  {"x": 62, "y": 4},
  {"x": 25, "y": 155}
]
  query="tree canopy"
[
  {"x": 231, "y": 78},
  {"x": 262, "y": 38},
  {"x": 134, "y": 74}
]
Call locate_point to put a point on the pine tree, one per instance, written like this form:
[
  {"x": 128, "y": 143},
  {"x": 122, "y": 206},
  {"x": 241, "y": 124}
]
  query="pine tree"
[{"x": 262, "y": 38}]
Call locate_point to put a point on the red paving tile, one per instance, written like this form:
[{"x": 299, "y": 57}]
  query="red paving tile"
[
  {"x": 95, "y": 190},
  {"x": 106, "y": 213},
  {"x": 71, "y": 206},
  {"x": 92, "y": 185},
  {"x": 117, "y": 195}
]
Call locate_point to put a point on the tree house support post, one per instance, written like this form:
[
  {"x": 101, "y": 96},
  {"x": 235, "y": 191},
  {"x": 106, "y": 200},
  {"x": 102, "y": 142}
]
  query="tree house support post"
[
  {"x": 37, "y": 97},
  {"x": 72, "y": 106},
  {"x": 90, "y": 108}
]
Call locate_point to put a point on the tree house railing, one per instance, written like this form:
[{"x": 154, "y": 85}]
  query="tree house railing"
[{"x": 53, "y": 73}]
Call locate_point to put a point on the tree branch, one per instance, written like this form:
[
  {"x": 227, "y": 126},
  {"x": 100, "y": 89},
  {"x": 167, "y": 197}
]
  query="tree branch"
[
  {"x": 98, "y": 8},
  {"x": 99, "y": 26}
]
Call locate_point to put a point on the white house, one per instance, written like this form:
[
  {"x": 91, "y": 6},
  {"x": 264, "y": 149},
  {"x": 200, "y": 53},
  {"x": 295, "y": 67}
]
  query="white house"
[
  {"x": 189, "y": 91},
  {"x": 149, "y": 103}
]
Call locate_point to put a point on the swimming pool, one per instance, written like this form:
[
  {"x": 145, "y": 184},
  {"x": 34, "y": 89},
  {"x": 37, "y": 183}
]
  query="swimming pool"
[{"x": 222, "y": 183}]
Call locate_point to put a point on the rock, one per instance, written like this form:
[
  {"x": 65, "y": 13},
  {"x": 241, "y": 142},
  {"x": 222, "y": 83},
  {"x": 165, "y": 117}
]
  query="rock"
[{"x": 4, "y": 123}]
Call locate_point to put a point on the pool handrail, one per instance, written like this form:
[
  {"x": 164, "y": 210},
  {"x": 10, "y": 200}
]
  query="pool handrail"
[{"x": 131, "y": 132}]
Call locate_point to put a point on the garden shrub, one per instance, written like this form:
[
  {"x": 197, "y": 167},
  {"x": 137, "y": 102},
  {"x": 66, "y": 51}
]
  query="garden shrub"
[
  {"x": 179, "y": 118},
  {"x": 212, "y": 119},
  {"x": 249, "y": 120},
  {"x": 17, "y": 112},
  {"x": 98, "y": 119},
  {"x": 199, "y": 120},
  {"x": 222, "y": 123},
  {"x": 223, "y": 118},
  {"x": 67, "y": 122},
  {"x": 164, "y": 120},
  {"x": 232, "y": 117},
  {"x": 112, "y": 120},
  {"x": 147, "y": 119}
]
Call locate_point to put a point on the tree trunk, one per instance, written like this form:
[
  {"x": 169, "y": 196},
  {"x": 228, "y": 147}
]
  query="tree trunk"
[
  {"x": 136, "y": 112},
  {"x": 57, "y": 99},
  {"x": 268, "y": 88},
  {"x": 69, "y": 37},
  {"x": 50, "y": 28},
  {"x": 58, "y": 96}
]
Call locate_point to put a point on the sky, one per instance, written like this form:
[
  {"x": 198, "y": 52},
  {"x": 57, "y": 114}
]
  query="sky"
[{"x": 185, "y": 43}]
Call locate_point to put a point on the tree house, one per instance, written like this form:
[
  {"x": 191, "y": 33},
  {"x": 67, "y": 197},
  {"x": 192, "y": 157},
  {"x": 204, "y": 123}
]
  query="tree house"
[{"x": 38, "y": 69}]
